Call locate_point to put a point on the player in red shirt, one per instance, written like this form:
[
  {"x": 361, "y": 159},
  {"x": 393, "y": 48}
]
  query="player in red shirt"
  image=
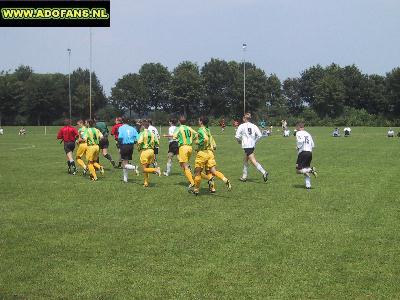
[
  {"x": 114, "y": 132},
  {"x": 68, "y": 135},
  {"x": 222, "y": 124}
]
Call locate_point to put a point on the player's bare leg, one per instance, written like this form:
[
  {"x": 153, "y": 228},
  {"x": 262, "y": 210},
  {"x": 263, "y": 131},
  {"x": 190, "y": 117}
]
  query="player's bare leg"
[
  {"x": 71, "y": 164},
  {"x": 126, "y": 167},
  {"x": 169, "y": 164},
  {"x": 245, "y": 168}
]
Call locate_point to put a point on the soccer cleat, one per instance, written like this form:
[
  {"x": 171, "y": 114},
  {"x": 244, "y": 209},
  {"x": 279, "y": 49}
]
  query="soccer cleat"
[
  {"x": 242, "y": 179},
  {"x": 228, "y": 185},
  {"x": 314, "y": 172},
  {"x": 211, "y": 185},
  {"x": 113, "y": 163},
  {"x": 92, "y": 178},
  {"x": 119, "y": 165},
  {"x": 265, "y": 176},
  {"x": 165, "y": 174},
  {"x": 308, "y": 188},
  {"x": 146, "y": 185},
  {"x": 196, "y": 192},
  {"x": 101, "y": 170},
  {"x": 158, "y": 172},
  {"x": 190, "y": 188}
]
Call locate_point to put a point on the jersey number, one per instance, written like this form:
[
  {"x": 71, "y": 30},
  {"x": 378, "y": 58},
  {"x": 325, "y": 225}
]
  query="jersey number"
[
  {"x": 250, "y": 131},
  {"x": 306, "y": 140}
]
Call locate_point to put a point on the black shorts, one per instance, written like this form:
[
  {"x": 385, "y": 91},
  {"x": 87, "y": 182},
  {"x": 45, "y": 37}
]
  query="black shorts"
[
  {"x": 173, "y": 148},
  {"x": 248, "y": 151},
  {"x": 69, "y": 146},
  {"x": 103, "y": 143},
  {"x": 126, "y": 151},
  {"x": 155, "y": 151},
  {"x": 304, "y": 160}
]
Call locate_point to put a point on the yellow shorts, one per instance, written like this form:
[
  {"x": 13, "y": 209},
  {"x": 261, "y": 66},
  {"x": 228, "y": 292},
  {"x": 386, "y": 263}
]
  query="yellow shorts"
[
  {"x": 185, "y": 152},
  {"x": 205, "y": 159},
  {"x": 147, "y": 157},
  {"x": 92, "y": 153},
  {"x": 81, "y": 150}
]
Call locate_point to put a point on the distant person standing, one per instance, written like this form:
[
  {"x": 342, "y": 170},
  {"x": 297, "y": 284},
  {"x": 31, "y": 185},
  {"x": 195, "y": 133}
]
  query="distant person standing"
[
  {"x": 305, "y": 145},
  {"x": 390, "y": 132},
  {"x": 222, "y": 124},
  {"x": 103, "y": 143},
  {"x": 284, "y": 124},
  {"x": 336, "y": 132},
  {"x": 1, "y": 131},
  {"x": 68, "y": 135},
  {"x": 114, "y": 132},
  {"x": 22, "y": 131},
  {"x": 347, "y": 131},
  {"x": 248, "y": 135},
  {"x": 236, "y": 124}
]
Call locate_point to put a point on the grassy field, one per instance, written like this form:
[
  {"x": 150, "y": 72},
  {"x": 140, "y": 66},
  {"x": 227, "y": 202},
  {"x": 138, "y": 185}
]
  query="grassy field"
[{"x": 62, "y": 236}]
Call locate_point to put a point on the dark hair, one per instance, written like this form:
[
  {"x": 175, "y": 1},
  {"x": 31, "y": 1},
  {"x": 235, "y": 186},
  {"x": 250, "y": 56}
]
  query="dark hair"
[
  {"x": 91, "y": 122},
  {"x": 67, "y": 122},
  {"x": 182, "y": 120},
  {"x": 79, "y": 122},
  {"x": 173, "y": 121},
  {"x": 300, "y": 125},
  {"x": 204, "y": 120},
  {"x": 145, "y": 123}
]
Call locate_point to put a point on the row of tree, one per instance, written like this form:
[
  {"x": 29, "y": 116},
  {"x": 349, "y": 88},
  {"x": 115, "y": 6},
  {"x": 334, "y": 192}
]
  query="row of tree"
[{"x": 216, "y": 89}]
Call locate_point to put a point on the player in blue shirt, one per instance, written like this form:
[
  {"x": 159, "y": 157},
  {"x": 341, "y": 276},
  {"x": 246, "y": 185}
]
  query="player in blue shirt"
[{"x": 127, "y": 137}]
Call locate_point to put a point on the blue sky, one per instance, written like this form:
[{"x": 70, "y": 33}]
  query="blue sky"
[{"x": 283, "y": 36}]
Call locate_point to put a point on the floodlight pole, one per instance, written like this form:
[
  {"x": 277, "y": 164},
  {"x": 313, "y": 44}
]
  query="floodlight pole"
[
  {"x": 244, "y": 77},
  {"x": 69, "y": 83},
  {"x": 90, "y": 76}
]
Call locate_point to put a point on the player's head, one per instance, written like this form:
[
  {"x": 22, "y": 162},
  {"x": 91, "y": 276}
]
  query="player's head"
[
  {"x": 203, "y": 121},
  {"x": 182, "y": 120},
  {"x": 247, "y": 117},
  {"x": 67, "y": 122},
  {"x": 80, "y": 123},
  {"x": 91, "y": 123},
  {"x": 145, "y": 123},
  {"x": 118, "y": 120},
  {"x": 172, "y": 122},
  {"x": 300, "y": 126}
]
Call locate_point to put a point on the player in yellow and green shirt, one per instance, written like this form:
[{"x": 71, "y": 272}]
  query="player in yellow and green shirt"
[
  {"x": 147, "y": 142},
  {"x": 205, "y": 158},
  {"x": 92, "y": 137},
  {"x": 185, "y": 136},
  {"x": 82, "y": 146}
]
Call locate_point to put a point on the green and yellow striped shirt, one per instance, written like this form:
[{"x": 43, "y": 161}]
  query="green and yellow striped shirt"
[
  {"x": 205, "y": 140},
  {"x": 147, "y": 140},
  {"x": 184, "y": 135},
  {"x": 92, "y": 136}
]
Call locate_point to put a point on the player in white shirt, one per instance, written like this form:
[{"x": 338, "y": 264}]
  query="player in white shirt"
[
  {"x": 347, "y": 131},
  {"x": 155, "y": 131},
  {"x": 248, "y": 135},
  {"x": 173, "y": 148},
  {"x": 1, "y": 131},
  {"x": 390, "y": 132},
  {"x": 305, "y": 145}
]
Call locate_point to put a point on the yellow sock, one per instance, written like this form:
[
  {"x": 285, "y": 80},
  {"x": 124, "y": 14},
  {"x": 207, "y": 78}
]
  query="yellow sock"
[
  {"x": 97, "y": 165},
  {"x": 92, "y": 170},
  {"x": 197, "y": 181},
  {"x": 220, "y": 176},
  {"x": 189, "y": 176},
  {"x": 81, "y": 163},
  {"x": 146, "y": 178},
  {"x": 206, "y": 176},
  {"x": 149, "y": 170}
]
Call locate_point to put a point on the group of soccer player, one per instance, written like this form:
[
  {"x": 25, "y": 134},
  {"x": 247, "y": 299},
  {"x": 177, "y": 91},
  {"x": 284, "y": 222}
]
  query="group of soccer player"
[{"x": 92, "y": 136}]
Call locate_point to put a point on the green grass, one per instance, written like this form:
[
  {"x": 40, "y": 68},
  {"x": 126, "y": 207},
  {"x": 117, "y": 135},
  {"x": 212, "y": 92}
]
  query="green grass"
[{"x": 63, "y": 236}]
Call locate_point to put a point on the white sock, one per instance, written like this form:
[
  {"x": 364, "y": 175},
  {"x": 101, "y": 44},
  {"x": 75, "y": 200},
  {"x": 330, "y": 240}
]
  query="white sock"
[
  {"x": 130, "y": 167},
  {"x": 125, "y": 172},
  {"x": 245, "y": 169},
  {"x": 308, "y": 181},
  {"x": 305, "y": 170},
  {"x": 260, "y": 168},
  {"x": 169, "y": 165}
]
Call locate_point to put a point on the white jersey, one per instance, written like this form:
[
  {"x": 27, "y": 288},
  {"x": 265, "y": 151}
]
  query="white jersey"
[
  {"x": 248, "y": 134},
  {"x": 305, "y": 141},
  {"x": 171, "y": 131},
  {"x": 347, "y": 129},
  {"x": 155, "y": 131}
]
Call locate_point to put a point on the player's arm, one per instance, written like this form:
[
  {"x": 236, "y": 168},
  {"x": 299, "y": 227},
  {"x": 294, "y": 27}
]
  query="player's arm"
[
  {"x": 299, "y": 141},
  {"x": 238, "y": 134},
  {"x": 194, "y": 133},
  {"x": 257, "y": 133},
  {"x": 140, "y": 142},
  {"x": 59, "y": 134}
]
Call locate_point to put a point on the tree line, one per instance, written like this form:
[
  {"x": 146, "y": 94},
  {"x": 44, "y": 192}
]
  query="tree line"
[{"x": 330, "y": 95}]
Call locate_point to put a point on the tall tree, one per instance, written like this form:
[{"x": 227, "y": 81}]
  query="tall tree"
[
  {"x": 291, "y": 90},
  {"x": 187, "y": 88}
]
